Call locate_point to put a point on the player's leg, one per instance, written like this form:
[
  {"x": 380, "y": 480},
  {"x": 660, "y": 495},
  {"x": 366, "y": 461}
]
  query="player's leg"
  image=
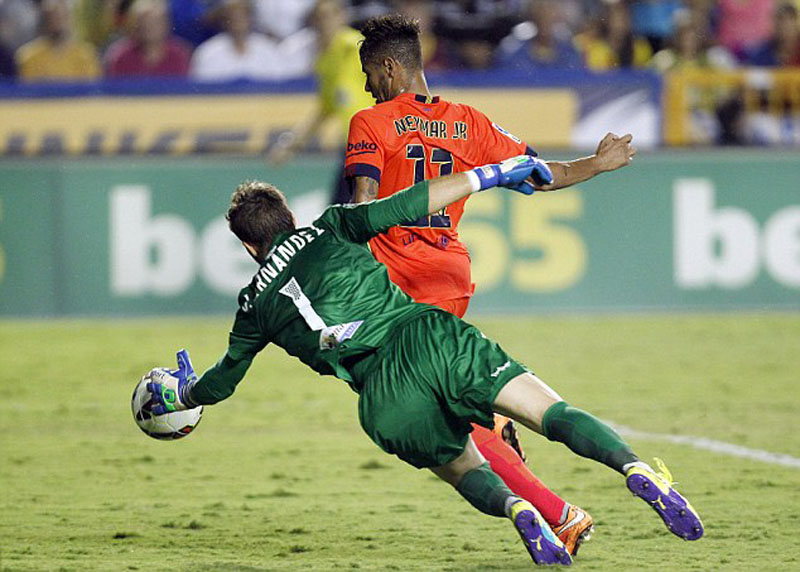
[
  {"x": 471, "y": 476},
  {"x": 502, "y": 450},
  {"x": 506, "y": 462},
  {"x": 571, "y": 524},
  {"x": 404, "y": 411},
  {"x": 530, "y": 401}
]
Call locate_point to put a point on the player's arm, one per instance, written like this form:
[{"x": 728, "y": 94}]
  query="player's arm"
[
  {"x": 220, "y": 381},
  {"x": 294, "y": 141},
  {"x": 364, "y": 160},
  {"x": 613, "y": 152},
  {"x": 364, "y": 189},
  {"x": 361, "y": 222},
  {"x": 181, "y": 389},
  {"x": 291, "y": 142},
  {"x": 429, "y": 197}
]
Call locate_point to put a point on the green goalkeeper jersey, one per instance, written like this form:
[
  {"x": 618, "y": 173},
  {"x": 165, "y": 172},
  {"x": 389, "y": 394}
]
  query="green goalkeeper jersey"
[{"x": 320, "y": 295}]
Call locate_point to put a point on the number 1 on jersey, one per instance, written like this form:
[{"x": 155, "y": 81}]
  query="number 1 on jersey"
[{"x": 416, "y": 153}]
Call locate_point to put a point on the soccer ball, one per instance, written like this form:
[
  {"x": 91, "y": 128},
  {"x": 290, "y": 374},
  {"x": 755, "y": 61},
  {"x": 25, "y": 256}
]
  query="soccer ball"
[{"x": 173, "y": 425}]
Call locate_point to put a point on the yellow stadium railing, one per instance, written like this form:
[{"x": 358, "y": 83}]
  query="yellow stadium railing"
[{"x": 693, "y": 99}]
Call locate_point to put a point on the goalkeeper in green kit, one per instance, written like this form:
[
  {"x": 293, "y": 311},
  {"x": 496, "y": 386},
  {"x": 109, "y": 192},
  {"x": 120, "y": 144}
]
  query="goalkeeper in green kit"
[{"x": 422, "y": 374}]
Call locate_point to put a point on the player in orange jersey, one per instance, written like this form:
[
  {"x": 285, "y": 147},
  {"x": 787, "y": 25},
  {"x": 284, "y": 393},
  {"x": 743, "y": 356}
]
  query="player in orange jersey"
[{"x": 411, "y": 135}]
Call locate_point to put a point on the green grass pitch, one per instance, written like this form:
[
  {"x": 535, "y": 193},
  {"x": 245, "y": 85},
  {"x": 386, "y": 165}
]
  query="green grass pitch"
[{"x": 281, "y": 477}]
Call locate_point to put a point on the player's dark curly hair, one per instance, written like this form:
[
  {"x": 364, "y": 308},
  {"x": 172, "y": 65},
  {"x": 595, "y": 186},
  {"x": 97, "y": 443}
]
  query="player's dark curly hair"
[
  {"x": 257, "y": 214},
  {"x": 392, "y": 36}
]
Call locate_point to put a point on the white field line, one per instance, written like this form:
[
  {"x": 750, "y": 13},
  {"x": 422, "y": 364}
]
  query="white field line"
[{"x": 712, "y": 445}]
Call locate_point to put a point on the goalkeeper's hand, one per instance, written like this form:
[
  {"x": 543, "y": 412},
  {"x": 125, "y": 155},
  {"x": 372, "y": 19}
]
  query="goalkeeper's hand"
[
  {"x": 169, "y": 389},
  {"x": 513, "y": 174}
]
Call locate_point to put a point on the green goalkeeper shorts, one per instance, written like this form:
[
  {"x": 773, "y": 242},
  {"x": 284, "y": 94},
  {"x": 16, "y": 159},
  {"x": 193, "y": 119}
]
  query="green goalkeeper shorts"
[{"x": 420, "y": 392}]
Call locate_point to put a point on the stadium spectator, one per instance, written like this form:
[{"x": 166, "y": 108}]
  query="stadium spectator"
[
  {"x": 149, "y": 49},
  {"x": 433, "y": 49},
  {"x": 280, "y": 19},
  {"x": 470, "y": 31},
  {"x": 744, "y": 24},
  {"x": 287, "y": 22},
  {"x": 611, "y": 44},
  {"x": 703, "y": 15},
  {"x": 690, "y": 48},
  {"x": 56, "y": 54},
  {"x": 340, "y": 83},
  {"x": 485, "y": 10},
  {"x": 193, "y": 20},
  {"x": 542, "y": 42},
  {"x": 654, "y": 20},
  {"x": 475, "y": 53},
  {"x": 710, "y": 108},
  {"x": 97, "y": 21},
  {"x": 18, "y": 21},
  {"x": 8, "y": 68},
  {"x": 783, "y": 48},
  {"x": 238, "y": 52}
]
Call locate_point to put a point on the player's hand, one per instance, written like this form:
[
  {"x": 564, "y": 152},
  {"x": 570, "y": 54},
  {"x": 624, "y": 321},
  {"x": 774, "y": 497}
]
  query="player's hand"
[
  {"x": 515, "y": 173},
  {"x": 614, "y": 152},
  {"x": 170, "y": 388}
]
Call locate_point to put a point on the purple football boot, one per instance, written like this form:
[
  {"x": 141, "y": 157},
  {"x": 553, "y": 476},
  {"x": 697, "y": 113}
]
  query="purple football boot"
[
  {"x": 656, "y": 489},
  {"x": 542, "y": 544}
]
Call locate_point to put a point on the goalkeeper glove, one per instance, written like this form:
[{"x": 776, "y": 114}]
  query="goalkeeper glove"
[
  {"x": 170, "y": 389},
  {"x": 512, "y": 174}
]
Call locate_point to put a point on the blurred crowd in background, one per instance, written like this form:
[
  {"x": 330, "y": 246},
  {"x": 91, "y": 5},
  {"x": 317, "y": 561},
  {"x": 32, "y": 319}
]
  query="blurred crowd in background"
[{"x": 225, "y": 40}]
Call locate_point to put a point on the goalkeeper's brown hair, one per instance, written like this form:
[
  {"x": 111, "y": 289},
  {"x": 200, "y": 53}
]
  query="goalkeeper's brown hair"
[
  {"x": 257, "y": 214},
  {"x": 391, "y": 36}
]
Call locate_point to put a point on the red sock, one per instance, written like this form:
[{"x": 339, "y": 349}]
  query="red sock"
[{"x": 519, "y": 478}]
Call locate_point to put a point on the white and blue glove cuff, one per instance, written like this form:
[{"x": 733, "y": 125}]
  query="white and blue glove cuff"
[{"x": 484, "y": 177}]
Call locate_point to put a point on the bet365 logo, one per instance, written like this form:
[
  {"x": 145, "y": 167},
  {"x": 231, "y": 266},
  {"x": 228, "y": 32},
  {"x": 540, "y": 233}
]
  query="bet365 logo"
[
  {"x": 162, "y": 254},
  {"x": 723, "y": 246}
]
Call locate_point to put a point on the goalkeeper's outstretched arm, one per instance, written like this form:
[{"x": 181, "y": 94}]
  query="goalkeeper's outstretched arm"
[
  {"x": 428, "y": 197},
  {"x": 177, "y": 390},
  {"x": 220, "y": 381}
]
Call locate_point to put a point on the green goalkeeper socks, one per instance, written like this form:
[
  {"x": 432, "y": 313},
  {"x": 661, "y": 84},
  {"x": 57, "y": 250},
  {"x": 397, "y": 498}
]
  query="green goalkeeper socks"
[
  {"x": 586, "y": 436},
  {"x": 485, "y": 490}
]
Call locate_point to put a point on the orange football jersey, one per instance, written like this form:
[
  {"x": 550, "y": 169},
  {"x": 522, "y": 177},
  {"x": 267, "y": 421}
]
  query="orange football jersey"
[{"x": 404, "y": 141}]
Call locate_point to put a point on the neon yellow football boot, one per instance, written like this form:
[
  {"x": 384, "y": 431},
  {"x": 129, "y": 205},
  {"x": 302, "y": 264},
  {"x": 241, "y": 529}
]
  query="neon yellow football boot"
[{"x": 656, "y": 489}]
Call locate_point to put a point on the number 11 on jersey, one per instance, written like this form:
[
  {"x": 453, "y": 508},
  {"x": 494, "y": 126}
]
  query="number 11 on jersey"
[{"x": 416, "y": 153}]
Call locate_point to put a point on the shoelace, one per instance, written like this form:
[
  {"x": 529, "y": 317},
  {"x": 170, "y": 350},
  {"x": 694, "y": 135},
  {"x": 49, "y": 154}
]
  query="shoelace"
[{"x": 663, "y": 471}]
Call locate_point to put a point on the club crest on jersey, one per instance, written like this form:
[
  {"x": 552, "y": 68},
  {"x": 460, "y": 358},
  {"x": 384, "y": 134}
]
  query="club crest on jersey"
[{"x": 511, "y": 136}]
